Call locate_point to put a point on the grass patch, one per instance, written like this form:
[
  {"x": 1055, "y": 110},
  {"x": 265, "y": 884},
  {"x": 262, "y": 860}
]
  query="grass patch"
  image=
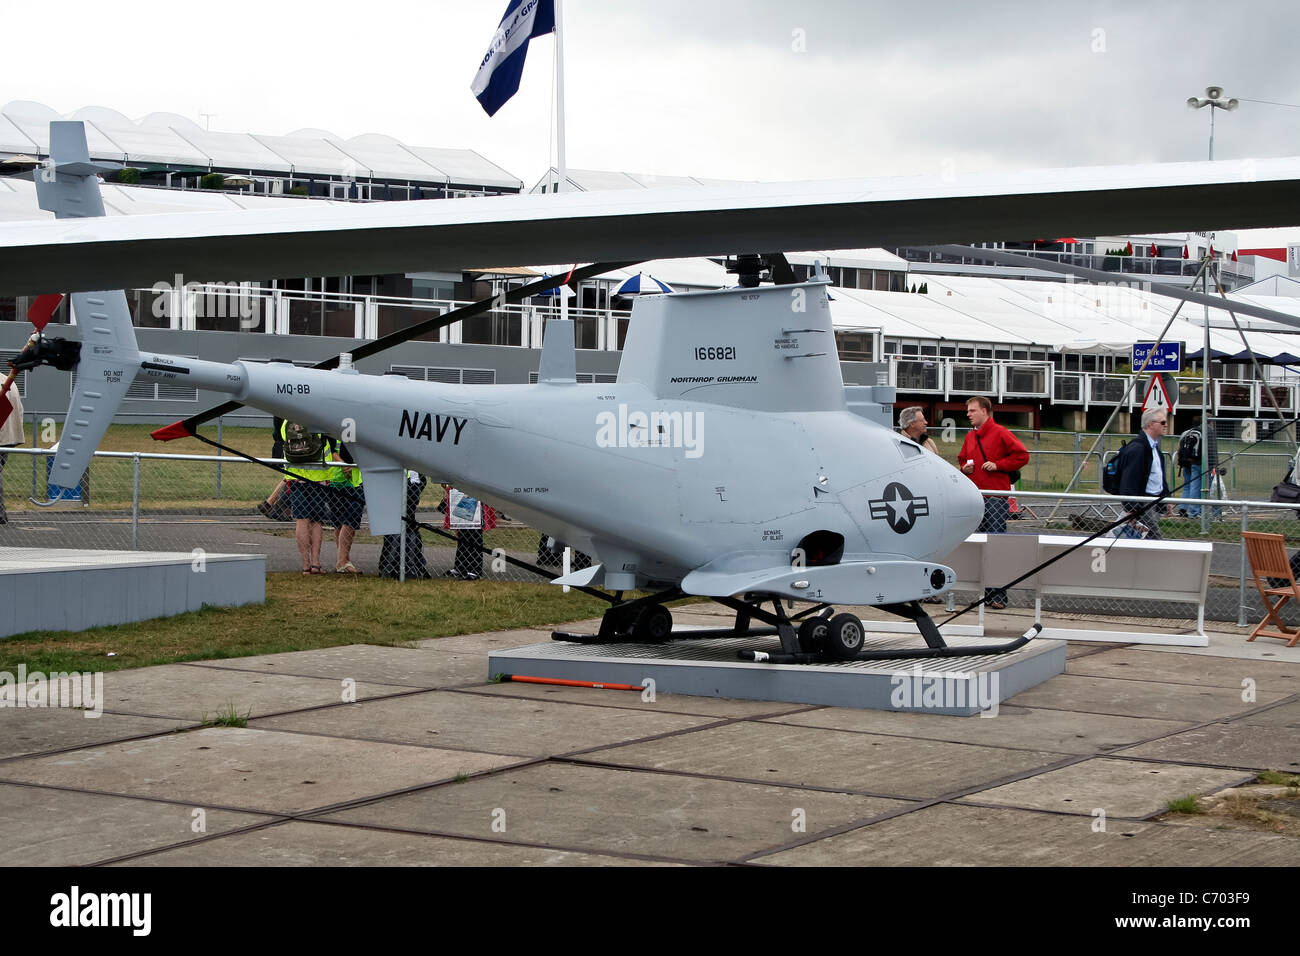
[
  {"x": 1190, "y": 804},
  {"x": 1280, "y": 779},
  {"x": 303, "y": 613},
  {"x": 229, "y": 717}
]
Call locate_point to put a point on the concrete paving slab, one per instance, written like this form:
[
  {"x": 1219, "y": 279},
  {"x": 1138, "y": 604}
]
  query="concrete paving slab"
[
  {"x": 1137, "y": 698},
  {"x": 43, "y": 827},
  {"x": 1075, "y": 649},
  {"x": 597, "y": 809},
  {"x": 663, "y": 703},
  {"x": 258, "y": 770},
  {"x": 1284, "y": 715},
  {"x": 501, "y": 725},
  {"x": 1233, "y": 644},
  {"x": 436, "y": 666},
  {"x": 809, "y": 756},
  {"x": 954, "y": 835},
  {"x": 31, "y": 730},
  {"x": 324, "y": 844},
  {"x": 1057, "y": 731},
  {"x": 1122, "y": 788},
  {"x": 199, "y": 693},
  {"x": 1228, "y": 745},
  {"x": 1141, "y": 664}
]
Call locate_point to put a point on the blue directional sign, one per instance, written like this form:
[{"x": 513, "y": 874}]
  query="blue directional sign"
[{"x": 1169, "y": 358}]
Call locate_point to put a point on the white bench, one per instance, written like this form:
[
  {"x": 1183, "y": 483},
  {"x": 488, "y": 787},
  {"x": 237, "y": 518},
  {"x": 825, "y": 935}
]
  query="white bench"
[
  {"x": 1159, "y": 570},
  {"x": 1107, "y": 567}
]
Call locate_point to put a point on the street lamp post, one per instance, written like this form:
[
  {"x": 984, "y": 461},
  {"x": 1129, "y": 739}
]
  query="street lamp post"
[{"x": 1214, "y": 99}]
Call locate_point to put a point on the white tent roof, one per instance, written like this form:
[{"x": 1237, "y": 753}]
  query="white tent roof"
[
  {"x": 234, "y": 150},
  {"x": 145, "y": 145},
  {"x": 465, "y": 166},
  {"x": 1062, "y": 315},
  {"x": 168, "y": 139}
]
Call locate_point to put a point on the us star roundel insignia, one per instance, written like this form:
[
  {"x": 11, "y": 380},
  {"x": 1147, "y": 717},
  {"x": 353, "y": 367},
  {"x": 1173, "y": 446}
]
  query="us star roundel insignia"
[{"x": 899, "y": 507}]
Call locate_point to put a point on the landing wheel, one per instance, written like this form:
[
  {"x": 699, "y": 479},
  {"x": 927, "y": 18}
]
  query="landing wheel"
[
  {"x": 844, "y": 637},
  {"x": 813, "y": 634},
  {"x": 654, "y": 624}
]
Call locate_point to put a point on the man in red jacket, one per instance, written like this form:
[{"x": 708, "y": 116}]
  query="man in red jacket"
[{"x": 988, "y": 456}]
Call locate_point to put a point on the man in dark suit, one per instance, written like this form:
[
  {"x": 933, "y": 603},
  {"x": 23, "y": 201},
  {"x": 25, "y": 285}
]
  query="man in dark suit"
[{"x": 1142, "y": 471}]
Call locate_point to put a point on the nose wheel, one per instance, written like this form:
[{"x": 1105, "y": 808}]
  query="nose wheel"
[{"x": 844, "y": 637}]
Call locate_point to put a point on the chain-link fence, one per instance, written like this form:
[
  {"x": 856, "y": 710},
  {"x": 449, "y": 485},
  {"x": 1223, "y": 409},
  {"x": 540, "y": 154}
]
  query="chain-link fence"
[{"x": 179, "y": 503}]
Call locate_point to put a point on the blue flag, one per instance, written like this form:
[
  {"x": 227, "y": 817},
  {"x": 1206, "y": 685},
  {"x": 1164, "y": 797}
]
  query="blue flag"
[{"x": 498, "y": 75}]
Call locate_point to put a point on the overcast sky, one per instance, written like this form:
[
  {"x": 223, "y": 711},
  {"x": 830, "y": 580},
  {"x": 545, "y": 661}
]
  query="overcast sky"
[{"x": 717, "y": 88}]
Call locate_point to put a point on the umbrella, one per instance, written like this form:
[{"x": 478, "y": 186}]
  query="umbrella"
[
  {"x": 558, "y": 290},
  {"x": 642, "y": 284},
  {"x": 1154, "y": 251}
]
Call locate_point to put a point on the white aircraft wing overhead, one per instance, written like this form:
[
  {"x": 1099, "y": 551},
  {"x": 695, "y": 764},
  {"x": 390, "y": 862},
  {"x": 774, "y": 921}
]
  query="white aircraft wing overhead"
[{"x": 318, "y": 239}]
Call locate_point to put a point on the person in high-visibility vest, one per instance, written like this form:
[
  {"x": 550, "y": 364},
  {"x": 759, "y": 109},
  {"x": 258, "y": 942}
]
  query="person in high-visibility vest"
[
  {"x": 347, "y": 501},
  {"x": 306, "y": 455}
]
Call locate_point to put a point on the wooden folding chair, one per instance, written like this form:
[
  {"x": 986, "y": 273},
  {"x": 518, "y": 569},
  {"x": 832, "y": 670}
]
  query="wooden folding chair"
[{"x": 1267, "y": 556}]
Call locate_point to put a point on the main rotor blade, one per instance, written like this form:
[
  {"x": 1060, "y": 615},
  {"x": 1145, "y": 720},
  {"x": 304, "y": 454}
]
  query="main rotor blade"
[
  {"x": 1108, "y": 278},
  {"x": 302, "y": 237},
  {"x": 186, "y": 427}
]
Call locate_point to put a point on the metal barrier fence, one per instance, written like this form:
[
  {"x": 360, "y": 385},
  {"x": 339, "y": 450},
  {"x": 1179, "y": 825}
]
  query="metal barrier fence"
[
  {"x": 186, "y": 503},
  {"x": 203, "y": 503}
]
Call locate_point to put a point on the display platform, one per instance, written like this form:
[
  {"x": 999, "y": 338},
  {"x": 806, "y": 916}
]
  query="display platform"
[
  {"x": 708, "y": 667},
  {"x": 70, "y": 589}
]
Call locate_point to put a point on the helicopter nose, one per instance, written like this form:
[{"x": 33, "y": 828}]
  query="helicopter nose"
[{"x": 967, "y": 499}]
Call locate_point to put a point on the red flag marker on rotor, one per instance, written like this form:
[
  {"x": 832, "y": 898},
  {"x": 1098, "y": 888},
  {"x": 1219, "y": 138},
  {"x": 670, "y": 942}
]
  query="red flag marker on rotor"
[
  {"x": 172, "y": 431},
  {"x": 42, "y": 309}
]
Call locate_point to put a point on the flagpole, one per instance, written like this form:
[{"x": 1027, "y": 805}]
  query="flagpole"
[{"x": 562, "y": 168}]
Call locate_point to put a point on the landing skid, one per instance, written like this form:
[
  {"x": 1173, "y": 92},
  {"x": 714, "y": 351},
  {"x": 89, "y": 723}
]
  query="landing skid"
[{"x": 813, "y": 636}]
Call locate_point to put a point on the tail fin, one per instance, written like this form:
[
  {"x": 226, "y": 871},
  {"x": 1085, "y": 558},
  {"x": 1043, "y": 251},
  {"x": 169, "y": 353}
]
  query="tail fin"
[
  {"x": 109, "y": 355},
  {"x": 767, "y": 348}
]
